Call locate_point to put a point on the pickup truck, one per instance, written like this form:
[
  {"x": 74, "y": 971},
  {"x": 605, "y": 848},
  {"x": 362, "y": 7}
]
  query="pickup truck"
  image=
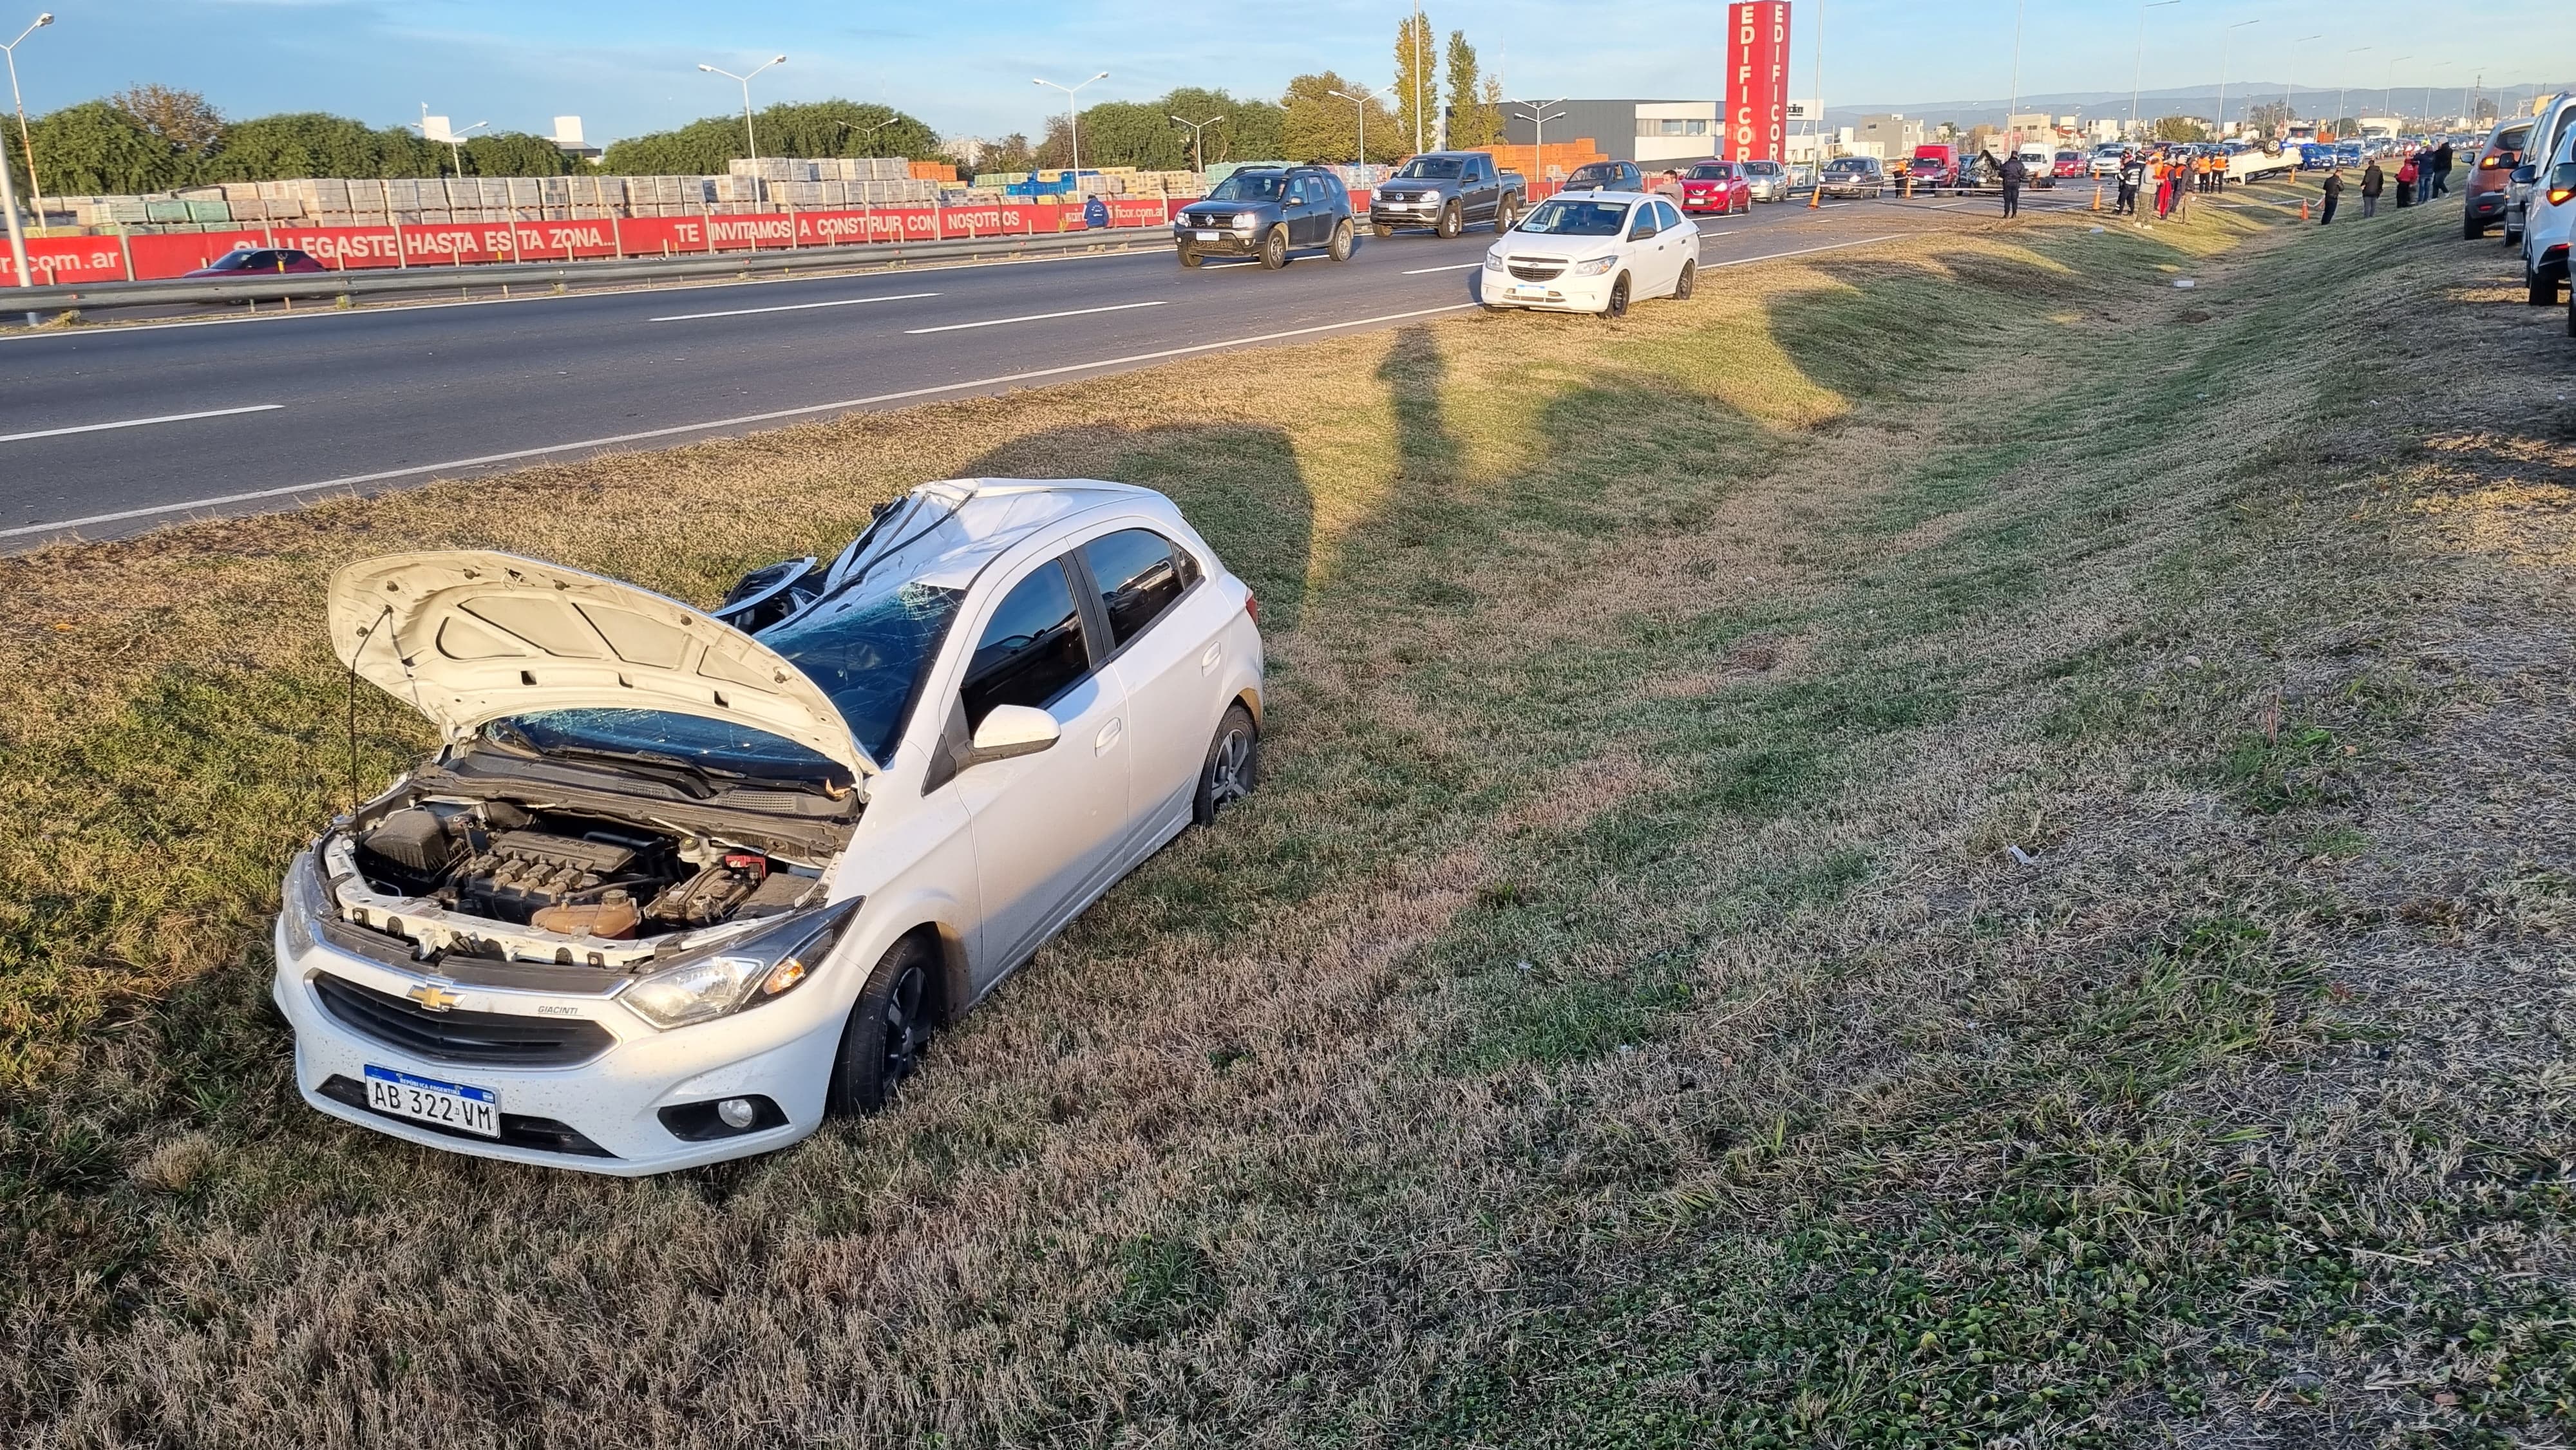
[{"x": 1446, "y": 190}]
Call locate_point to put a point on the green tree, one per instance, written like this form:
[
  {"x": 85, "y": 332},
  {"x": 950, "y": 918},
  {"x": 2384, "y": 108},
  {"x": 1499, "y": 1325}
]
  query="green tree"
[
  {"x": 184, "y": 119},
  {"x": 2178, "y": 128},
  {"x": 310, "y": 143},
  {"x": 515, "y": 153},
  {"x": 2269, "y": 117},
  {"x": 1321, "y": 126},
  {"x": 1249, "y": 132},
  {"x": 96, "y": 148},
  {"x": 1417, "y": 83},
  {"x": 1475, "y": 103},
  {"x": 800, "y": 129}
]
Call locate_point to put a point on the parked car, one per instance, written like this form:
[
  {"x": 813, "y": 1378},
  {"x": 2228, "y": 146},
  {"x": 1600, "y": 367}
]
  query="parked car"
[
  {"x": 1592, "y": 252},
  {"x": 2107, "y": 159},
  {"x": 248, "y": 262},
  {"x": 2484, "y": 194},
  {"x": 1268, "y": 212},
  {"x": 1448, "y": 191},
  {"x": 2549, "y": 125},
  {"x": 2069, "y": 166},
  {"x": 1716, "y": 186},
  {"x": 2549, "y": 219},
  {"x": 1852, "y": 176},
  {"x": 1767, "y": 180},
  {"x": 1605, "y": 176},
  {"x": 682, "y": 883}
]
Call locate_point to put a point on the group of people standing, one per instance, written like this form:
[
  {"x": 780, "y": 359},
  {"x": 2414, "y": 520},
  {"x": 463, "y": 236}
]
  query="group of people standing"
[
  {"x": 2174, "y": 175},
  {"x": 2423, "y": 173}
]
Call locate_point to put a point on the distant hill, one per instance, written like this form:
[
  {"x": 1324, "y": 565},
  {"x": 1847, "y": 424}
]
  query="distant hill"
[{"x": 2194, "y": 100}]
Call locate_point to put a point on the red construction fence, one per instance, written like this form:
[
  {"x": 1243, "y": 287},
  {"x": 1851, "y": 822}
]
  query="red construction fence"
[{"x": 142, "y": 258}]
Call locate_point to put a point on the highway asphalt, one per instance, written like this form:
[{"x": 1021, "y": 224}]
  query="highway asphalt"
[{"x": 121, "y": 429}]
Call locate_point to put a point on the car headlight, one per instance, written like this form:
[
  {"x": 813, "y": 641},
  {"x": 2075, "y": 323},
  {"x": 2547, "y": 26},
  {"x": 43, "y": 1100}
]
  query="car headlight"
[
  {"x": 1493, "y": 261},
  {"x": 1595, "y": 267},
  {"x": 1243, "y": 223},
  {"x": 741, "y": 973},
  {"x": 302, "y": 900}
]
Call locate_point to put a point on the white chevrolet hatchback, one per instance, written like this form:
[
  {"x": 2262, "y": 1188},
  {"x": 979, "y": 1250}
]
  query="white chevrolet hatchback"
[
  {"x": 680, "y": 883},
  {"x": 1592, "y": 252}
]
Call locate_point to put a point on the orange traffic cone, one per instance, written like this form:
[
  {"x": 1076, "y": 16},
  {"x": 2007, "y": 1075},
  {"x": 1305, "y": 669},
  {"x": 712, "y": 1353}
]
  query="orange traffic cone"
[
  {"x": 2097, "y": 196},
  {"x": 2303, "y": 208},
  {"x": 1816, "y": 198}
]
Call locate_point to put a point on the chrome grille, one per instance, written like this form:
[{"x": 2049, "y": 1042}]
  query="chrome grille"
[{"x": 1530, "y": 270}]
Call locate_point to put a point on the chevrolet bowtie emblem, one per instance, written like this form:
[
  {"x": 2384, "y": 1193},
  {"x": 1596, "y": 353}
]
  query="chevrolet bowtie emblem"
[{"x": 433, "y": 997}]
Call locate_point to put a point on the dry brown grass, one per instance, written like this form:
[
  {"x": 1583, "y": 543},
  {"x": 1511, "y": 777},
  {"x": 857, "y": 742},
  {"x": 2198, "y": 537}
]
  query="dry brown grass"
[{"x": 1626, "y": 910}]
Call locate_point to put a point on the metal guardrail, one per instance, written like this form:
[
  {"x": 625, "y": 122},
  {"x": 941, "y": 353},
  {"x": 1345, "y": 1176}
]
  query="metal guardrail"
[{"x": 393, "y": 281}]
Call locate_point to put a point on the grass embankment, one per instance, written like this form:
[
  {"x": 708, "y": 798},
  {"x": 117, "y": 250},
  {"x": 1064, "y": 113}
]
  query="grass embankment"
[{"x": 1622, "y": 1018}]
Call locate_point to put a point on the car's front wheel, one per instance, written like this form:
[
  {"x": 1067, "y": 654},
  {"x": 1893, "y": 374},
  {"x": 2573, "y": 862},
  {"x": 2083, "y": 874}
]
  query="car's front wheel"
[
  {"x": 1618, "y": 305},
  {"x": 1381, "y": 230},
  {"x": 1232, "y": 768},
  {"x": 1504, "y": 216},
  {"x": 888, "y": 1030},
  {"x": 1190, "y": 257},
  {"x": 1451, "y": 223},
  {"x": 1274, "y": 249},
  {"x": 1345, "y": 241}
]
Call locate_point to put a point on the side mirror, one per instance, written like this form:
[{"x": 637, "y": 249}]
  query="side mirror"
[
  {"x": 1012, "y": 730},
  {"x": 2526, "y": 175}
]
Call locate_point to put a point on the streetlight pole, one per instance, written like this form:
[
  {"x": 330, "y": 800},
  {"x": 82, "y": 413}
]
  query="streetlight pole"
[
  {"x": 2138, "y": 75},
  {"x": 2286, "y": 84},
  {"x": 2227, "y": 39},
  {"x": 25, "y": 142},
  {"x": 1366, "y": 94},
  {"x": 1538, "y": 117},
  {"x": 2428, "y": 96},
  {"x": 2344, "y": 92},
  {"x": 750, "y": 142},
  {"x": 1073, "y": 123},
  {"x": 2388, "y": 99},
  {"x": 1198, "y": 155},
  {"x": 2014, "y": 104},
  {"x": 455, "y": 139}
]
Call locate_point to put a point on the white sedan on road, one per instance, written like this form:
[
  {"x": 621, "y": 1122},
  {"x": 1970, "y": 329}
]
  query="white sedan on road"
[
  {"x": 1595, "y": 252},
  {"x": 680, "y": 883}
]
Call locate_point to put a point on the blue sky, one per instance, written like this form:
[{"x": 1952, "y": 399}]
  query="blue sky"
[{"x": 630, "y": 67}]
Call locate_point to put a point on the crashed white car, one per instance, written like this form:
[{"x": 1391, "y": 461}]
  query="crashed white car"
[
  {"x": 1592, "y": 252},
  {"x": 680, "y": 883}
]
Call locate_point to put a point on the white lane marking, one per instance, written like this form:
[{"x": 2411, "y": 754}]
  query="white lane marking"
[
  {"x": 1032, "y": 317},
  {"x": 1800, "y": 252},
  {"x": 140, "y": 422},
  {"x": 1427, "y": 271},
  {"x": 794, "y": 306},
  {"x": 356, "y": 479}
]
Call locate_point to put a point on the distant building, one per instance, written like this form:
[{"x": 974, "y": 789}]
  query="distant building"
[
  {"x": 1891, "y": 133},
  {"x": 1646, "y": 132},
  {"x": 567, "y": 139},
  {"x": 967, "y": 149}
]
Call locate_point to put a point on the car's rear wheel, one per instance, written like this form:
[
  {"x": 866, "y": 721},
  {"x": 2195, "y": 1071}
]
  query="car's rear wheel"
[
  {"x": 1232, "y": 768},
  {"x": 2540, "y": 288},
  {"x": 2471, "y": 229},
  {"x": 1345, "y": 241},
  {"x": 1687, "y": 283},
  {"x": 1190, "y": 257},
  {"x": 1618, "y": 298},
  {"x": 888, "y": 1030},
  {"x": 1451, "y": 223},
  {"x": 1381, "y": 230},
  {"x": 1274, "y": 249}
]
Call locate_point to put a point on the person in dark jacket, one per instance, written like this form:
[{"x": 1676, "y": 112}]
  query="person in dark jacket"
[
  {"x": 2442, "y": 160},
  {"x": 2015, "y": 172},
  {"x": 2373, "y": 182},
  {"x": 2334, "y": 193},
  {"x": 2133, "y": 178}
]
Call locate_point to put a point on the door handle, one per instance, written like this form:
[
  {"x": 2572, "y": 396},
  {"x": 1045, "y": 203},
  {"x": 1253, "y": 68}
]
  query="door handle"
[
  {"x": 1108, "y": 737},
  {"x": 1215, "y": 652}
]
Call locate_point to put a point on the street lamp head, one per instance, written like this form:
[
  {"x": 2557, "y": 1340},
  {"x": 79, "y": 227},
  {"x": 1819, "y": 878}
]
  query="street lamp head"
[
  {"x": 778, "y": 60},
  {"x": 711, "y": 70},
  {"x": 44, "y": 20},
  {"x": 1104, "y": 75}
]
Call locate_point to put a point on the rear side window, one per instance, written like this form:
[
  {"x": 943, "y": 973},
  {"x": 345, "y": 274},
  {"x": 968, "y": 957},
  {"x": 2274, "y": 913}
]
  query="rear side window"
[
  {"x": 1665, "y": 217},
  {"x": 1032, "y": 651},
  {"x": 1140, "y": 574}
]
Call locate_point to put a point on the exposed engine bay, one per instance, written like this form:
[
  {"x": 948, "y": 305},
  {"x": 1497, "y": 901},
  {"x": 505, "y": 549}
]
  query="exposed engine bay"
[{"x": 501, "y": 879}]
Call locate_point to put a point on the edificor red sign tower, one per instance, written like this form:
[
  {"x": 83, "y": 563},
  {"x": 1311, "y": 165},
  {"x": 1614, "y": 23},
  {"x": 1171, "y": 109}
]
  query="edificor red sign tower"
[{"x": 1757, "y": 80}]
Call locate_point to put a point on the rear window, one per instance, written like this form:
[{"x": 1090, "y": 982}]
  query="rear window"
[{"x": 2513, "y": 140}]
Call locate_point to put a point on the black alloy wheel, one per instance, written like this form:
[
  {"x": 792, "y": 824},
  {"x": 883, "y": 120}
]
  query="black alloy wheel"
[
  {"x": 1233, "y": 766},
  {"x": 888, "y": 1030},
  {"x": 1345, "y": 241},
  {"x": 1618, "y": 307},
  {"x": 1450, "y": 223},
  {"x": 1274, "y": 248}
]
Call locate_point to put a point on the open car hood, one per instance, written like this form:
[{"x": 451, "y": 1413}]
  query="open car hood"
[{"x": 469, "y": 636}]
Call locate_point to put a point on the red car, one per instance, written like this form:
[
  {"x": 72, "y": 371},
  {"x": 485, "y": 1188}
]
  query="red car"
[
  {"x": 1718, "y": 186},
  {"x": 2484, "y": 193},
  {"x": 2069, "y": 166},
  {"x": 259, "y": 262}
]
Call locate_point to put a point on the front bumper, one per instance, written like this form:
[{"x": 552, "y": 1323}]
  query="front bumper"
[
  {"x": 1217, "y": 242},
  {"x": 1564, "y": 292},
  {"x": 783, "y": 1051},
  {"x": 1406, "y": 213}
]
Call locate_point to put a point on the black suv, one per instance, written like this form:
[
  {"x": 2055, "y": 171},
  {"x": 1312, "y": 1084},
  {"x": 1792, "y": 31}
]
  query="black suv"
[
  {"x": 1605, "y": 176},
  {"x": 1267, "y": 212}
]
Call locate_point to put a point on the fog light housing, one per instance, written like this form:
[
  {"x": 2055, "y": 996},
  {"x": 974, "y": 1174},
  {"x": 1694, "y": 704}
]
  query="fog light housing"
[{"x": 722, "y": 1118}]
